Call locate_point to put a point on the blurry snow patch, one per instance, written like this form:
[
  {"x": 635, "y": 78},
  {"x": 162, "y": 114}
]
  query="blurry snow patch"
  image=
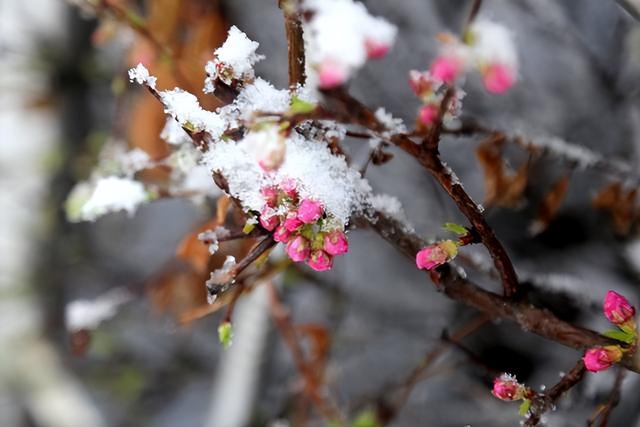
[
  {"x": 573, "y": 286},
  {"x": 88, "y": 314},
  {"x": 87, "y": 202},
  {"x": 391, "y": 207},
  {"x": 582, "y": 156},
  {"x": 141, "y": 75},
  {"x": 493, "y": 43},
  {"x": 234, "y": 60}
]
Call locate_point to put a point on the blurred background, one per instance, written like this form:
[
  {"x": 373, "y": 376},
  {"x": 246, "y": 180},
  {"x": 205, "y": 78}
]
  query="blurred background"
[{"x": 64, "y": 95}]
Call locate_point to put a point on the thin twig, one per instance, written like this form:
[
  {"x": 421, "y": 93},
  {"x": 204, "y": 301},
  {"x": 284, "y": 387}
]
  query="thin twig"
[{"x": 604, "y": 411}]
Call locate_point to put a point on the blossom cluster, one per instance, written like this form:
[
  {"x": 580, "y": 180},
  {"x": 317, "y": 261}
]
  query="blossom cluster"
[
  {"x": 621, "y": 313},
  {"x": 302, "y": 225},
  {"x": 486, "y": 47}
]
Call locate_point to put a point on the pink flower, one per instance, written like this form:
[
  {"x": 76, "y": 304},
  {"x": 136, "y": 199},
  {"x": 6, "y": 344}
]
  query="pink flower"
[
  {"x": 309, "y": 211},
  {"x": 428, "y": 114},
  {"x": 335, "y": 243},
  {"x": 446, "y": 68},
  {"x": 292, "y": 222},
  {"x": 320, "y": 261},
  {"x": 375, "y": 49},
  {"x": 289, "y": 187},
  {"x": 497, "y": 78},
  {"x": 270, "y": 195},
  {"x": 331, "y": 74},
  {"x": 421, "y": 83},
  {"x": 282, "y": 234},
  {"x": 436, "y": 254},
  {"x": 600, "y": 358},
  {"x": 268, "y": 220},
  {"x": 298, "y": 249},
  {"x": 617, "y": 308},
  {"x": 506, "y": 387}
]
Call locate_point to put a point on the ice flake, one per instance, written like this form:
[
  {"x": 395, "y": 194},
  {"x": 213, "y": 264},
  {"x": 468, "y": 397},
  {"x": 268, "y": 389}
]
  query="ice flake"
[
  {"x": 339, "y": 33},
  {"x": 141, "y": 75},
  {"x": 234, "y": 60},
  {"x": 88, "y": 314},
  {"x": 185, "y": 108},
  {"x": 113, "y": 194}
]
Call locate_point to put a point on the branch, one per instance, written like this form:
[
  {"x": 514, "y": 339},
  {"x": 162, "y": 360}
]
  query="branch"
[
  {"x": 545, "y": 401},
  {"x": 604, "y": 411},
  {"x": 295, "y": 43}
]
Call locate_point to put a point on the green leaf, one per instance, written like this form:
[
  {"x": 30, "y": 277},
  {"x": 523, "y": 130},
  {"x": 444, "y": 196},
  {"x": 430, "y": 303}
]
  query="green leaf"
[
  {"x": 455, "y": 228},
  {"x": 366, "y": 419},
  {"x": 225, "y": 334},
  {"x": 298, "y": 106},
  {"x": 524, "y": 407},
  {"x": 619, "y": 335}
]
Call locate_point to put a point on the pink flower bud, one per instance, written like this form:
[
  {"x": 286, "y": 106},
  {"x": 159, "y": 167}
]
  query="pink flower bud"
[
  {"x": 617, "y": 308},
  {"x": 446, "y": 68},
  {"x": 497, "y": 78},
  {"x": 309, "y": 211},
  {"x": 428, "y": 114},
  {"x": 298, "y": 249},
  {"x": 506, "y": 387},
  {"x": 289, "y": 187},
  {"x": 282, "y": 234},
  {"x": 436, "y": 254},
  {"x": 335, "y": 243},
  {"x": 268, "y": 220},
  {"x": 270, "y": 195},
  {"x": 292, "y": 222},
  {"x": 331, "y": 74},
  {"x": 320, "y": 261},
  {"x": 600, "y": 358},
  {"x": 421, "y": 83},
  {"x": 375, "y": 49}
]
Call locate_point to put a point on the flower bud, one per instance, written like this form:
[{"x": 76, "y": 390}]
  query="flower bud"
[
  {"x": 298, "y": 249},
  {"x": 498, "y": 78},
  {"x": 600, "y": 358},
  {"x": 268, "y": 219},
  {"x": 309, "y": 211},
  {"x": 428, "y": 114},
  {"x": 421, "y": 83},
  {"x": 270, "y": 195},
  {"x": 436, "y": 254},
  {"x": 617, "y": 308},
  {"x": 331, "y": 74},
  {"x": 320, "y": 260},
  {"x": 446, "y": 69},
  {"x": 376, "y": 49},
  {"x": 289, "y": 187},
  {"x": 282, "y": 234},
  {"x": 335, "y": 243},
  {"x": 506, "y": 387},
  {"x": 292, "y": 222}
]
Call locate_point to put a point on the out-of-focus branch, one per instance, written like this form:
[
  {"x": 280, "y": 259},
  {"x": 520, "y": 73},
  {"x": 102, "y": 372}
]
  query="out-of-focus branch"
[
  {"x": 604, "y": 411},
  {"x": 545, "y": 401}
]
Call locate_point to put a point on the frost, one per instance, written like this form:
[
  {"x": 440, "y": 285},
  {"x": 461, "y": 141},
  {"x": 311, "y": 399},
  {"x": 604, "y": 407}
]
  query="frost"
[
  {"x": 234, "y": 60},
  {"x": 113, "y": 194},
  {"x": 173, "y": 133},
  {"x": 260, "y": 96},
  {"x": 211, "y": 237},
  {"x": 88, "y": 314},
  {"x": 185, "y": 108},
  {"x": 393, "y": 125},
  {"x": 141, "y": 75},
  {"x": 391, "y": 206},
  {"x": 339, "y": 30},
  {"x": 221, "y": 276},
  {"x": 583, "y": 157}
]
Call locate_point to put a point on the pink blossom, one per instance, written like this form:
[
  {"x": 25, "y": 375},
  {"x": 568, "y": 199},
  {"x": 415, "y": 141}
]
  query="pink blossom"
[
  {"x": 270, "y": 195},
  {"x": 298, "y": 249},
  {"x": 600, "y": 358},
  {"x": 428, "y": 114},
  {"x": 268, "y": 220},
  {"x": 331, "y": 74},
  {"x": 421, "y": 83},
  {"x": 436, "y": 254},
  {"x": 506, "y": 387},
  {"x": 617, "y": 308},
  {"x": 289, "y": 187},
  {"x": 320, "y": 260},
  {"x": 282, "y": 234},
  {"x": 497, "y": 78},
  {"x": 309, "y": 211},
  {"x": 376, "y": 49},
  {"x": 446, "y": 68},
  {"x": 292, "y": 222},
  {"x": 335, "y": 243}
]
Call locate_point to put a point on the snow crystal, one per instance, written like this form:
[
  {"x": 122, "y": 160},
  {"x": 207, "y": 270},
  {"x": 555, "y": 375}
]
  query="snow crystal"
[
  {"x": 339, "y": 31},
  {"x": 141, "y": 75},
  {"x": 173, "y": 133},
  {"x": 211, "y": 237},
  {"x": 234, "y": 60},
  {"x": 113, "y": 194},
  {"x": 185, "y": 108},
  {"x": 88, "y": 314},
  {"x": 393, "y": 125}
]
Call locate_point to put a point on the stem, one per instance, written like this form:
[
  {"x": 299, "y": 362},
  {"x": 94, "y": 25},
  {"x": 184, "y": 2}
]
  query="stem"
[{"x": 295, "y": 43}]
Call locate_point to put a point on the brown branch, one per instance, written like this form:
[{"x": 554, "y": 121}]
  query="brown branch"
[
  {"x": 530, "y": 318},
  {"x": 295, "y": 43},
  {"x": 604, "y": 411},
  {"x": 543, "y": 402}
]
